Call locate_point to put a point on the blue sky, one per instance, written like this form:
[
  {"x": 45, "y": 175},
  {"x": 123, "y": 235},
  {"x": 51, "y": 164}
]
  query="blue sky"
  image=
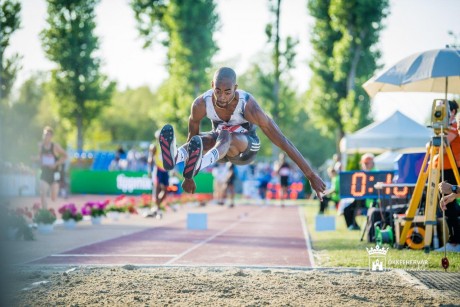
[{"x": 413, "y": 26}]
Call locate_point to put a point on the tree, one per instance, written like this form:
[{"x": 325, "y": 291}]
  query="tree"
[
  {"x": 293, "y": 117},
  {"x": 343, "y": 38},
  {"x": 274, "y": 77},
  {"x": 69, "y": 40},
  {"x": 282, "y": 60},
  {"x": 186, "y": 28},
  {"x": 131, "y": 116},
  {"x": 10, "y": 21},
  {"x": 22, "y": 124}
]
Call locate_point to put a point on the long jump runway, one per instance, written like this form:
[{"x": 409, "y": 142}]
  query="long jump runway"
[{"x": 241, "y": 236}]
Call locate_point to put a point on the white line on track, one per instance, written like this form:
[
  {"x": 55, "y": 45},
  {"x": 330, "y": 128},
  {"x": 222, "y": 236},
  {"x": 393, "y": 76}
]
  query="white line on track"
[
  {"x": 209, "y": 239},
  {"x": 307, "y": 236},
  {"x": 116, "y": 255}
]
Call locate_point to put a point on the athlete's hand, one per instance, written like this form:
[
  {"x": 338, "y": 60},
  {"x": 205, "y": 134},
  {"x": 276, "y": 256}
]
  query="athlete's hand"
[
  {"x": 317, "y": 184},
  {"x": 189, "y": 185}
]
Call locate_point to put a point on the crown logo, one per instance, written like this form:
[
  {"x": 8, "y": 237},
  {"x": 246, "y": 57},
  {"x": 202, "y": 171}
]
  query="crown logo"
[{"x": 377, "y": 250}]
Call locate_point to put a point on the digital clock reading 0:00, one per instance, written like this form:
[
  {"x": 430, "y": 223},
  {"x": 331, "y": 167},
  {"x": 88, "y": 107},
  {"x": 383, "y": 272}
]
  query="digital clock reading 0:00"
[{"x": 360, "y": 185}]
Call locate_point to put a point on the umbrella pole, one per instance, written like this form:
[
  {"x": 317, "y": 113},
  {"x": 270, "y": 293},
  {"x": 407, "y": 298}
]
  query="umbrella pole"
[{"x": 447, "y": 85}]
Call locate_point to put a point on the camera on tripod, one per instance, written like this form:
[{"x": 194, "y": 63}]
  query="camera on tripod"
[{"x": 440, "y": 114}]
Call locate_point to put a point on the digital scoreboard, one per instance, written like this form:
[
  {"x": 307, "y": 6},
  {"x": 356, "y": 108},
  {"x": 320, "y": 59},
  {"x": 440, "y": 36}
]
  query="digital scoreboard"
[{"x": 361, "y": 185}]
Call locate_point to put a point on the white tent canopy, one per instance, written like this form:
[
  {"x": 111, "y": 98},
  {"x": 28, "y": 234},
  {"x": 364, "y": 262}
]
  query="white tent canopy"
[
  {"x": 386, "y": 160},
  {"x": 394, "y": 133}
]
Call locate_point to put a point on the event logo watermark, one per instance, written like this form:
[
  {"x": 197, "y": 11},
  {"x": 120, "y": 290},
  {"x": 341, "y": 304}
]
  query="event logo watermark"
[
  {"x": 377, "y": 258},
  {"x": 129, "y": 184},
  {"x": 378, "y": 261}
]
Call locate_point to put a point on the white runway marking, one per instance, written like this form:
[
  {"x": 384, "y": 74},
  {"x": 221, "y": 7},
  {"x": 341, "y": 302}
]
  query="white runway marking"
[
  {"x": 307, "y": 236},
  {"x": 115, "y": 255},
  {"x": 208, "y": 239}
]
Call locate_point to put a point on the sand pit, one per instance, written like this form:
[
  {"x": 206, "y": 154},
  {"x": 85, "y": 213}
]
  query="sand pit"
[{"x": 184, "y": 286}]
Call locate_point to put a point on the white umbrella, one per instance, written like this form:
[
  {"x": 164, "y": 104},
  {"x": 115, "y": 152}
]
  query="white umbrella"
[{"x": 435, "y": 71}]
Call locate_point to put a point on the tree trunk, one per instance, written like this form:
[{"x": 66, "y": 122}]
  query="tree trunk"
[
  {"x": 79, "y": 133},
  {"x": 339, "y": 135},
  {"x": 277, "y": 75},
  {"x": 354, "y": 65}
]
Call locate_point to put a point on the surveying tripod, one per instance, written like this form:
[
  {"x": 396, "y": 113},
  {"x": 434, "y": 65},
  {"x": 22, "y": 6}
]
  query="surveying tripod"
[{"x": 432, "y": 173}]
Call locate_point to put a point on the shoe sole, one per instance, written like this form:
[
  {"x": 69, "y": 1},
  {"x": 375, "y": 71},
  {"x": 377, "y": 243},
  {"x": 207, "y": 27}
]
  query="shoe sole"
[
  {"x": 167, "y": 147},
  {"x": 195, "y": 153}
]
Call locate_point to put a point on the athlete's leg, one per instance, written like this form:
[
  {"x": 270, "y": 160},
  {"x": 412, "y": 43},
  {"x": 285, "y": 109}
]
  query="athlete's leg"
[
  {"x": 167, "y": 142},
  {"x": 160, "y": 194},
  {"x": 238, "y": 145},
  {"x": 225, "y": 141},
  {"x": 171, "y": 156},
  {"x": 154, "y": 188},
  {"x": 196, "y": 161},
  {"x": 44, "y": 188},
  {"x": 54, "y": 191},
  {"x": 231, "y": 191},
  {"x": 162, "y": 191}
]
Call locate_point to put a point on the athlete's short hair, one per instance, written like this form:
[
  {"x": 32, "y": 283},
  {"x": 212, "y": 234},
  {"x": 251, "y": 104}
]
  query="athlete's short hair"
[
  {"x": 48, "y": 129},
  {"x": 224, "y": 73}
]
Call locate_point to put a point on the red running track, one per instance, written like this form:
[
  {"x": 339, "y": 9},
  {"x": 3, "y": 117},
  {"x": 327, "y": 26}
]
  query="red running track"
[{"x": 242, "y": 236}]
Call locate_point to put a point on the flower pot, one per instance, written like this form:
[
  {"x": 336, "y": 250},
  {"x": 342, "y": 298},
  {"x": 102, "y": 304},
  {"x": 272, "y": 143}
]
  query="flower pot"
[
  {"x": 114, "y": 215},
  {"x": 70, "y": 224},
  {"x": 96, "y": 220},
  {"x": 45, "y": 228}
]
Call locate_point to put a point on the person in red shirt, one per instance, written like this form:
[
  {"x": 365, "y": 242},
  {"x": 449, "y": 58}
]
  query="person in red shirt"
[{"x": 449, "y": 202}]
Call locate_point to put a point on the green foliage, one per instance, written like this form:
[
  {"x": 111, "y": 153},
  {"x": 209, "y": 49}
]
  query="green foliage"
[
  {"x": 44, "y": 216},
  {"x": 13, "y": 223},
  {"x": 133, "y": 115},
  {"x": 10, "y": 21},
  {"x": 22, "y": 117},
  {"x": 67, "y": 215},
  {"x": 69, "y": 40},
  {"x": 175, "y": 97},
  {"x": 115, "y": 208},
  {"x": 186, "y": 28},
  {"x": 353, "y": 163},
  {"x": 293, "y": 116},
  {"x": 343, "y": 248},
  {"x": 343, "y": 38},
  {"x": 149, "y": 15},
  {"x": 282, "y": 60}
]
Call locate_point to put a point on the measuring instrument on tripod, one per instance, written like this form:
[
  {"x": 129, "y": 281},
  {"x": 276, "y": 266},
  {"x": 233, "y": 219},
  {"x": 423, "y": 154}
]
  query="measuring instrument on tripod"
[{"x": 431, "y": 172}]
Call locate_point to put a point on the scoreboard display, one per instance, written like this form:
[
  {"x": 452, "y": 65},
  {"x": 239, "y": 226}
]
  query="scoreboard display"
[{"x": 361, "y": 185}]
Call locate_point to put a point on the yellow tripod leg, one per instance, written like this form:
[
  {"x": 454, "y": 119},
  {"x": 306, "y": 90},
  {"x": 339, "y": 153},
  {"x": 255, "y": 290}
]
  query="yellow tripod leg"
[
  {"x": 415, "y": 199},
  {"x": 431, "y": 202}
]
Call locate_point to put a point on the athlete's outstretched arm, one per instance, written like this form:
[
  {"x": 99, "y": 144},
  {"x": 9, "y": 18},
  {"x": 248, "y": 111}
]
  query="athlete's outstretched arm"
[
  {"x": 256, "y": 115},
  {"x": 197, "y": 113}
]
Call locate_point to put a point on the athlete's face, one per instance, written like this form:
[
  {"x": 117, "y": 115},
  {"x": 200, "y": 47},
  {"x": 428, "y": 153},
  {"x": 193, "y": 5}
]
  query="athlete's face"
[
  {"x": 224, "y": 92},
  {"x": 47, "y": 135}
]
